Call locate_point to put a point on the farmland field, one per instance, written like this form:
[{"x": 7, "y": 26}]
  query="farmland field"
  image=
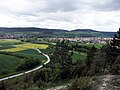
[
  {"x": 98, "y": 46},
  {"x": 7, "y": 44},
  {"x": 29, "y": 51},
  {"x": 81, "y": 53},
  {"x": 9, "y": 63}
]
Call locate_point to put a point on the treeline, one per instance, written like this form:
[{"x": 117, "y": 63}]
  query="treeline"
[{"x": 28, "y": 64}]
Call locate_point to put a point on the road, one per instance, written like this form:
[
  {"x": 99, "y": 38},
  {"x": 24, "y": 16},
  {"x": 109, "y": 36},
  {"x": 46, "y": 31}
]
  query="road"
[{"x": 48, "y": 60}]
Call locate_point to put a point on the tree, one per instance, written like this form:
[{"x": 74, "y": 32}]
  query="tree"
[
  {"x": 99, "y": 62},
  {"x": 116, "y": 66},
  {"x": 115, "y": 42},
  {"x": 90, "y": 56},
  {"x": 115, "y": 52}
]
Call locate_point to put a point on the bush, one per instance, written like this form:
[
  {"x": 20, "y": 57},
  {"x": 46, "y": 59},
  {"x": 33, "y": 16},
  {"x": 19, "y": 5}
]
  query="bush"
[
  {"x": 85, "y": 83},
  {"x": 81, "y": 84},
  {"x": 115, "y": 81},
  {"x": 28, "y": 64}
]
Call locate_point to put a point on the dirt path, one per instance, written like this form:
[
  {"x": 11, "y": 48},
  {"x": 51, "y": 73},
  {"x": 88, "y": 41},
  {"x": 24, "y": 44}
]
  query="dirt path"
[
  {"x": 58, "y": 88},
  {"x": 106, "y": 83}
]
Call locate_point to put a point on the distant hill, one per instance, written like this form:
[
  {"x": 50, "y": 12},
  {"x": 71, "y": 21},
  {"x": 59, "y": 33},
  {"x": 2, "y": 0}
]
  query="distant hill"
[
  {"x": 61, "y": 32},
  {"x": 84, "y": 30},
  {"x": 94, "y": 33},
  {"x": 31, "y": 29}
]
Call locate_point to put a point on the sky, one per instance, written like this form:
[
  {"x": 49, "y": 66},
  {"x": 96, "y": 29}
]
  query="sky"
[{"x": 101, "y": 15}]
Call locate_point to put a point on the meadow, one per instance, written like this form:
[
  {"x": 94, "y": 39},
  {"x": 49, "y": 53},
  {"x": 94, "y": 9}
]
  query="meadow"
[
  {"x": 81, "y": 52},
  {"x": 79, "y": 56},
  {"x": 98, "y": 46}
]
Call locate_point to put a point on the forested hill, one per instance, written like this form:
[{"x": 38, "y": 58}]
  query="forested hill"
[
  {"x": 30, "y": 29},
  {"x": 94, "y": 32},
  {"x": 61, "y": 32}
]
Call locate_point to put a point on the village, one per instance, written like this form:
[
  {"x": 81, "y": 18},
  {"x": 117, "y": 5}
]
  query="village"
[{"x": 91, "y": 40}]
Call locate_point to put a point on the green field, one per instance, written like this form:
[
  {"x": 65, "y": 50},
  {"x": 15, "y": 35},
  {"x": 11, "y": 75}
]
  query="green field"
[
  {"x": 81, "y": 54},
  {"x": 8, "y": 42},
  {"x": 78, "y": 56},
  {"x": 98, "y": 46},
  {"x": 31, "y": 53},
  {"x": 9, "y": 63}
]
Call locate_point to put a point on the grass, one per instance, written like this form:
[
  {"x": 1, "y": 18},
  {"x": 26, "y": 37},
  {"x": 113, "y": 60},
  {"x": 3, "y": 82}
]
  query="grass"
[
  {"x": 82, "y": 53},
  {"x": 29, "y": 54},
  {"x": 8, "y": 42},
  {"x": 79, "y": 56},
  {"x": 8, "y": 64},
  {"x": 98, "y": 46},
  {"x": 6, "y": 47},
  {"x": 29, "y": 51}
]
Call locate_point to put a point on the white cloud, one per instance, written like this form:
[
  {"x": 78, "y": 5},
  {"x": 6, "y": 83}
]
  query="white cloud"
[{"x": 65, "y": 14}]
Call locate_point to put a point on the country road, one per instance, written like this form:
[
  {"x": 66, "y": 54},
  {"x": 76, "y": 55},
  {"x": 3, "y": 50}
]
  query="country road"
[{"x": 48, "y": 60}]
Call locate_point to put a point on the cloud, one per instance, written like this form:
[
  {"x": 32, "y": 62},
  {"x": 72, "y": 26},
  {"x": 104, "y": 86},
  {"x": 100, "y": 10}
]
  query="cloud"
[
  {"x": 66, "y": 14},
  {"x": 48, "y": 6},
  {"x": 37, "y": 6},
  {"x": 107, "y": 5},
  {"x": 21, "y": 7},
  {"x": 61, "y": 5}
]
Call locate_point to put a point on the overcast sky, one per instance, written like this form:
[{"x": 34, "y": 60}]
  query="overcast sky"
[{"x": 102, "y": 15}]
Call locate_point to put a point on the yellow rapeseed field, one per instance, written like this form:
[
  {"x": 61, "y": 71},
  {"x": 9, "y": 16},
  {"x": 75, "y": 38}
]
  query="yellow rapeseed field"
[{"x": 26, "y": 46}]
